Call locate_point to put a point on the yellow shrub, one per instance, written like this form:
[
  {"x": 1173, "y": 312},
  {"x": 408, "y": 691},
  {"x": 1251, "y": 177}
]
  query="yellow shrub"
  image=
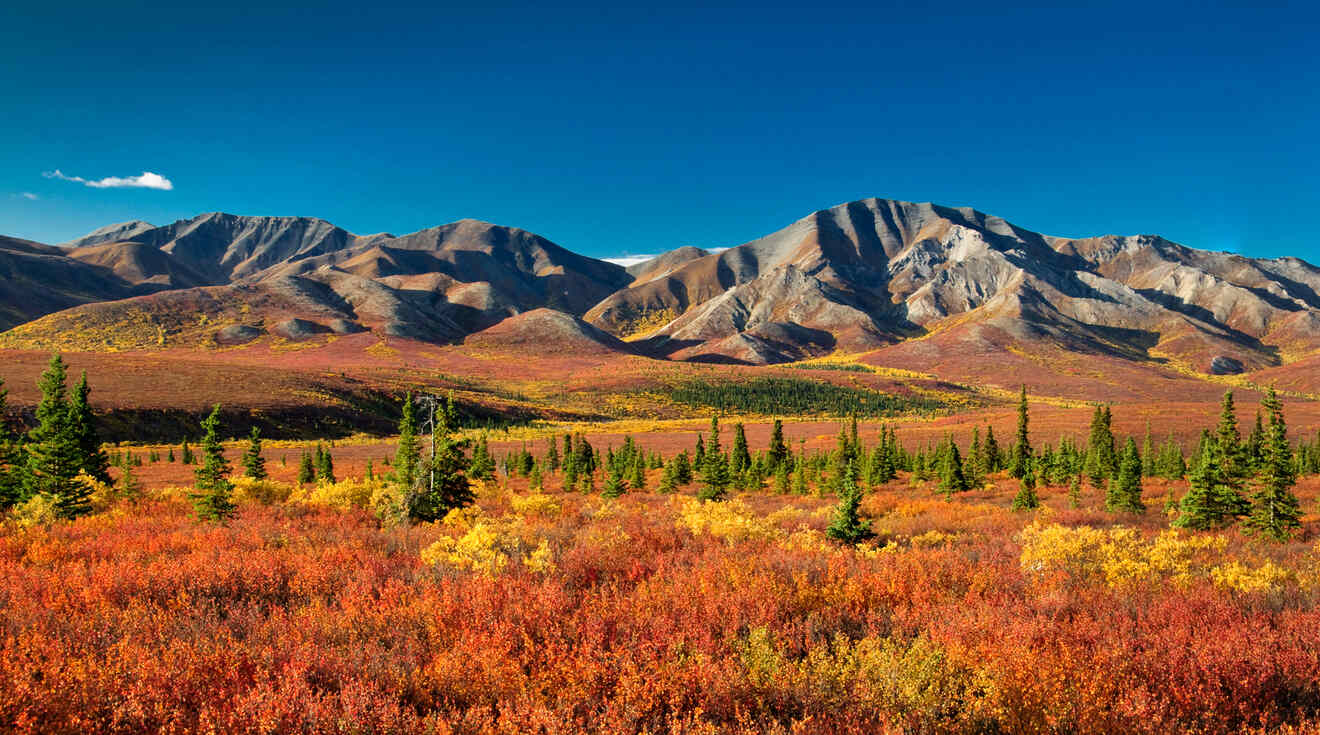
[
  {"x": 38, "y": 510},
  {"x": 1238, "y": 577},
  {"x": 932, "y": 538},
  {"x": 265, "y": 492},
  {"x": 1119, "y": 557},
  {"x": 731, "y": 520},
  {"x": 102, "y": 495},
  {"x": 487, "y": 547},
  {"x": 479, "y": 550},
  {"x": 341, "y": 495},
  {"x": 541, "y": 560},
  {"x": 535, "y": 504}
]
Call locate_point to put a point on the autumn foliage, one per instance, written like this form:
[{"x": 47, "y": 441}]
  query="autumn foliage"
[{"x": 562, "y": 613}]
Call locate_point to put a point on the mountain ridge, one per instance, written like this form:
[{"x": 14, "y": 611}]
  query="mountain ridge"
[{"x": 859, "y": 277}]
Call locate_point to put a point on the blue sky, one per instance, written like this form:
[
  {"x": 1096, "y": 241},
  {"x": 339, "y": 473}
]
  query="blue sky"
[{"x": 616, "y": 130}]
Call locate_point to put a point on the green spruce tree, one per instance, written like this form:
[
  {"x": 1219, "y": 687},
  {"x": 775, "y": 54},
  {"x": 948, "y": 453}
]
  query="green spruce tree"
[
  {"x": 1275, "y": 512},
  {"x": 847, "y": 525},
  {"x": 212, "y": 499},
  {"x": 54, "y": 457},
  {"x": 95, "y": 462},
  {"x": 254, "y": 465},
  {"x": 1124, "y": 493},
  {"x": 408, "y": 455}
]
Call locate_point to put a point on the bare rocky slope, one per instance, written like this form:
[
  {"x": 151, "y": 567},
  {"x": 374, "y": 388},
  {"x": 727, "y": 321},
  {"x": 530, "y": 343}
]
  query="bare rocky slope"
[{"x": 866, "y": 276}]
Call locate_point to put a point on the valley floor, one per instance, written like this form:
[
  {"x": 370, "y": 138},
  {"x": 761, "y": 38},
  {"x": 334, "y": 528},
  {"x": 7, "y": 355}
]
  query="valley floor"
[{"x": 560, "y": 612}]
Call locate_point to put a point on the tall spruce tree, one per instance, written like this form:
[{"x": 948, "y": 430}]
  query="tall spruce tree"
[
  {"x": 1213, "y": 499},
  {"x": 213, "y": 499},
  {"x": 1233, "y": 460},
  {"x": 444, "y": 485},
  {"x": 952, "y": 479},
  {"x": 1101, "y": 458},
  {"x": 306, "y": 469},
  {"x": 994, "y": 459},
  {"x": 1124, "y": 492},
  {"x": 1022, "y": 453},
  {"x": 1148, "y": 459},
  {"x": 254, "y": 465},
  {"x": 54, "y": 458},
  {"x": 714, "y": 471},
  {"x": 95, "y": 462},
  {"x": 325, "y": 464},
  {"x": 740, "y": 460},
  {"x": 1275, "y": 512},
  {"x": 407, "y": 456},
  {"x": 777, "y": 454}
]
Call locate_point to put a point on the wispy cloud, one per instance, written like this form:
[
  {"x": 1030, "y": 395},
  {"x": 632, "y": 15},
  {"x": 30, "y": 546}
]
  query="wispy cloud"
[
  {"x": 29, "y": 196},
  {"x": 627, "y": 260},
  {"x": 147, "y": 180}
]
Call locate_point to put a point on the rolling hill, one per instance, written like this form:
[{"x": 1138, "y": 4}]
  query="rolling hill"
[{"x": 918, "y": 286}]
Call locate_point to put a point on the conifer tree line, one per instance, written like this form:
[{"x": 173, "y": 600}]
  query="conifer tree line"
[
  {"x": 1232, "y": 478},
  {"x": 55, "y": 460}
]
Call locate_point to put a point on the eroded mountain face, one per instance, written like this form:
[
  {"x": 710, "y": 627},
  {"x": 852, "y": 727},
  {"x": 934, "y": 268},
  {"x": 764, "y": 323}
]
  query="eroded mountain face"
[{"x": 856, "y": 277}]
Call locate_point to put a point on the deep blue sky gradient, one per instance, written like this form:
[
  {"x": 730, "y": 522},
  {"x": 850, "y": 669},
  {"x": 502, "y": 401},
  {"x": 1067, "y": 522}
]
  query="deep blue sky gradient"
[{"x": 616, "y": 130}]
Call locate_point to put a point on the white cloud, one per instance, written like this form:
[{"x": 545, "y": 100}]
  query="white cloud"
[
  {"x": 29, "y": 196},
  {"x": 627, "y": 260},
  {"x": 147, "y": 180}
]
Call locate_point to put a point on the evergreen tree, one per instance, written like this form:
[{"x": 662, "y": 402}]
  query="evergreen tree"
[
  {"x": 740, "y": 460},
  {"x": 1100, "y": 454},
  {"x": 1275, "y": 512},
  {"x": 994, "y": 460},
  {"x": 1148, "y": 463},
  {"x": 54, "y": 457},
  {"x": 171, "y": 457},
  {"x": 128, "y": 485},
  {"x": 444, "y": 484},
  {"x": 615, "y": 484},
  {"x": 1232, "y": 452},
  {"x": 306, "y": 469},
  {"x": 254, "y": 465},
  {"x": 777, "y": 454},
  {"x": 669, "y": 478},
  {"x": 551, "y": 455},
  {"x": 715, "y": 477},
  {"x": 325, "y": 466},
  {"x": 782, "y": 480},
  {"x": 800, "y": 479},
  {"x": 1022, "y": 453},
  {"x": 94, "y": 460},
  {"x": 952, "y": 479},
  {"x": 1075, "y": 491},
  {"x": 1026, "y": 498},
  {"x": 847, "y": 525},
  {"x": 212, "y": 500},
  {"x": 1253, "y": 449},
  {"x": 682, "y": 469},
  {"x": 483, "y": 465},
  {"x": 186, "y": 453},
  {"x": 1212, "y": 500},
  {"x": 1124, "y": 492},
  {"x": 637, "y": 474},
  {"x": 408, "y": 455},
  {"x": 371, "y": 472}
]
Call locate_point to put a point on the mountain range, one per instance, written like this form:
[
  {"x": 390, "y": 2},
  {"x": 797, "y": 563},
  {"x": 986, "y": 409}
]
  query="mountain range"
[{"x": 874, "y": 276}]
